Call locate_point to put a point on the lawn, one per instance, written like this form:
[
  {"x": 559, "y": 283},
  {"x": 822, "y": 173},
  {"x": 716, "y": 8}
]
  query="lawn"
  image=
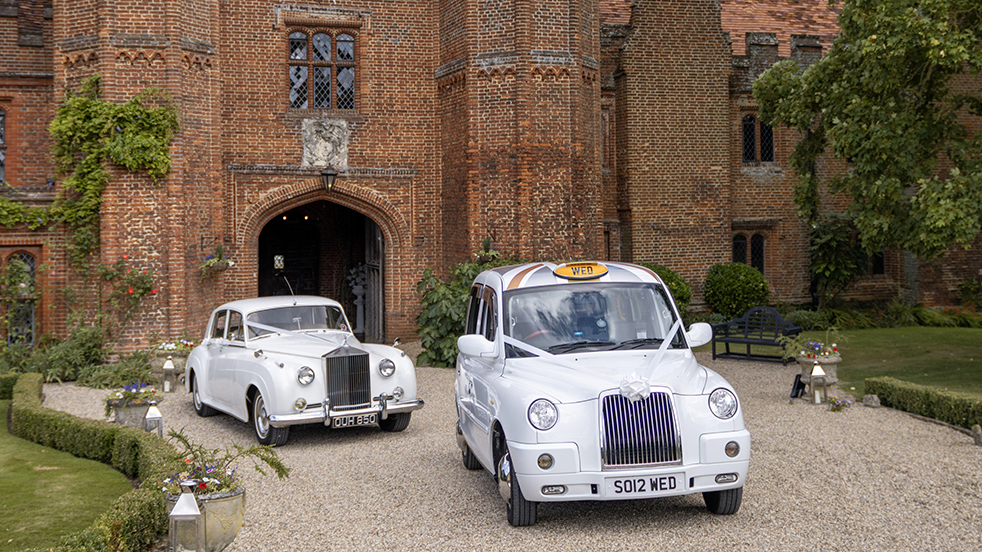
[
  {"x": 949, "y": 358},
  {"x": 46, "y": 494}
]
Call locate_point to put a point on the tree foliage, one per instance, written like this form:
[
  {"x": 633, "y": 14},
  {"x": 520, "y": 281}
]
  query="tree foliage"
[{"x": 889, "y": 97}]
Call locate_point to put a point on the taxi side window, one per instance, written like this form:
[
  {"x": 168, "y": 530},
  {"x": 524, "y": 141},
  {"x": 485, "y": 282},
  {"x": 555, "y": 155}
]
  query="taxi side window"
[
  {"x": 218, "y": 330},
  {"x": 235, "y": 326},
  {"x": 489, "y": 318},
  {"x": 473, "y": 310}
]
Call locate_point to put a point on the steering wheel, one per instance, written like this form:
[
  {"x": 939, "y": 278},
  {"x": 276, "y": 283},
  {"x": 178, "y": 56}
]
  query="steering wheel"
[{"x": 536, "y": 333}]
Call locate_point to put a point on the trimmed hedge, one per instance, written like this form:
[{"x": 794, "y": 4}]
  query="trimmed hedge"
[
  {"x": 7, "y": 382},
  {"x": 681, "y": 290},
  {"x": 734, "y": 288},
  {"x": 135, "y": 521},
  {"x": 959, "y": 409}
]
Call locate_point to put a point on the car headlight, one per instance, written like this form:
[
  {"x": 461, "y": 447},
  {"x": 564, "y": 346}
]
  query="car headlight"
[
  {"x": 543, "y": 414},
  {"x": 305, "y": 375},
  {"x": 723, "y": 403},
  {"x": 386, "y": 367}
]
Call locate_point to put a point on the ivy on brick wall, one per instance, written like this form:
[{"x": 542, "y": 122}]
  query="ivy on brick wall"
[{"x": 87, "y": 132}]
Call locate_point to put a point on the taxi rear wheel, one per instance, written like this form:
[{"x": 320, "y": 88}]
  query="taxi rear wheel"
[
  {"x": 396, "y": 422},
  {"x": 266, "y": 434},
  {"x": 470, "y": 461},
  {"x": 724, "y": 502}
]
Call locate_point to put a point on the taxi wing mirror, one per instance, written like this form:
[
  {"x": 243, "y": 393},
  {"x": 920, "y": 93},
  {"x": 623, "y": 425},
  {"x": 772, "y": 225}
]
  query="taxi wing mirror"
[
  {"x": 475, "y": 345},
  {"x": 699, "y": 333}
]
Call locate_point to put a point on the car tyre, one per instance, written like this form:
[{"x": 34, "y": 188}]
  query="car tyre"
[
  {"x": 521, "y": 512},
  {"x": 724, "y": 502},
  {"x": 396, "y": 422},
  {"x": 266, "y": 434},
  {"x": 470, "y": 461},
  {"x": 201, "y": 408}
]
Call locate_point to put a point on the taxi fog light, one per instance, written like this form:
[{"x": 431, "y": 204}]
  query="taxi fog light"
[
  {"x": 398, "y": 392},
  {"x": 726, "y": 478},
  {"x": 732, "y": 449},
  {"x": 545, "y": 461},
  {"x": 300, "y": 404},
  {"x": 552, "y": 490}
]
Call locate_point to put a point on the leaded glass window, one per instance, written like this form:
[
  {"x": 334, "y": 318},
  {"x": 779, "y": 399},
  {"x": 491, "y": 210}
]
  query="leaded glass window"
[
  {"x": 751, "y": 155},
  {"x": 740, "y": 249},
  {"x": 757, "y": 252},
  {"x": 322, "y": 70},
  {"x": 21, "y": 270},
  {"x": 749, "y": 139},
  {"x": 766, "y": 143}
]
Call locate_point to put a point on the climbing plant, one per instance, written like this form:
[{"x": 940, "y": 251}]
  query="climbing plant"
[{"x": 88, "y": 132}]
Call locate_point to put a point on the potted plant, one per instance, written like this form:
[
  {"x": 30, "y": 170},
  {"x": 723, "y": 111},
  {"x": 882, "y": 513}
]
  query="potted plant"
[
  {"x": 809, "y": 352},
  {"x": 130, "y": 404},
  {"x": 217, "y": 487},
  {"x": 215, "y": 263}
]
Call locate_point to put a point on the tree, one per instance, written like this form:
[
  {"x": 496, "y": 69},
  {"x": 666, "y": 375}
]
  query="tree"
[{"x": 890, "y": 97}]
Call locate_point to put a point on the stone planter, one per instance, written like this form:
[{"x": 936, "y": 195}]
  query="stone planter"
[
  {"x": 829, "y": 364},
  {"x": 130, "y": 413},
  {"x": 222, "y": 514},
  {"x": 179, "y": 358}
]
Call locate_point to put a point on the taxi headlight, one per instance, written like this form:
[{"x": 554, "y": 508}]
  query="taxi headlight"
[
  {"x": 305, "y": 375},
  {"x": 386, "y": 367},
  {"x": 723, "y": 403},
  {"x": 543, "y": 414}
]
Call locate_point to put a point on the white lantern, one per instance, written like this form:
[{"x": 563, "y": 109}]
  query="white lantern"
[
  {"x": 154, "y": 420},
  {"x": 186, "y": 525},
  {"x": 820, "y": 387},
  {"x": 169, "y": 382}
]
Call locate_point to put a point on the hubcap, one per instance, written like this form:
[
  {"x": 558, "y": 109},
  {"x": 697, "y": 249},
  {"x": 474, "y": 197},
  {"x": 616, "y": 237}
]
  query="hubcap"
[
  {"x": 262, "y": 420},
  {"x": 504, "y": 477}
]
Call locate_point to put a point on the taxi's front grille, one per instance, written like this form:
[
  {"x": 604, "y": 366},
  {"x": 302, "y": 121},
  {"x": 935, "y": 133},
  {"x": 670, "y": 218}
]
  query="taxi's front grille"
[
  {"x": 348, "y": 380},
  {"x": 642, "y": 433}
]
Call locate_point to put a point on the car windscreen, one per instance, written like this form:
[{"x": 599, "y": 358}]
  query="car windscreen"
[
  {"x": 577, "y": 317},
  {"x": 299, "y": 318}
]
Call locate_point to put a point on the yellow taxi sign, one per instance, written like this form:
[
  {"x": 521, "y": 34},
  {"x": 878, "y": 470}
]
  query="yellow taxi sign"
[{"x": 580, "y": 271}]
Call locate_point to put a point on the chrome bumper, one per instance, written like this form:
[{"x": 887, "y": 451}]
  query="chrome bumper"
[{"x": 381, "y": 405}]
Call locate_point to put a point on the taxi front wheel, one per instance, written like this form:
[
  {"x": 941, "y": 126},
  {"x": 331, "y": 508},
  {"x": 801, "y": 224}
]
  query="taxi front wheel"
[{"x": 724, "y": 502}]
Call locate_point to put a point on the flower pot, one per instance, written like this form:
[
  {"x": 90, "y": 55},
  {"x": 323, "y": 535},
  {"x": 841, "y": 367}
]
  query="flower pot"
[
  {"x": 222, "y": 514},
  {"x": 829, "y": 364},
  {"x": 130, "y": 413}
]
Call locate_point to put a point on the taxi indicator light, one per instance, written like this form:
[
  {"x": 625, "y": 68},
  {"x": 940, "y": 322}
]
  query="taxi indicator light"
[{"x": 580, "y": 271}]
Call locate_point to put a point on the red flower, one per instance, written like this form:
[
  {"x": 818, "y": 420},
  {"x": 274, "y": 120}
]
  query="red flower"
[
  {"x": 202, "y": 485},
  {"x": 125, "y": 257},
  {"x": 130, "y": 291},
  {"x": 128, "y": 271},
  {"x": 153, "y": 292}
]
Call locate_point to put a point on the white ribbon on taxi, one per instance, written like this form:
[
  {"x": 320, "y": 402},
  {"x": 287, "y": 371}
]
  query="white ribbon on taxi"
[{"x": 636, "y": 387}]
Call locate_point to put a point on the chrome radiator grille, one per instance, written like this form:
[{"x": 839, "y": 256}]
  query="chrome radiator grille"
[
  {"x": 348, "y": 380},
  {"x": 642, "y": 433}
]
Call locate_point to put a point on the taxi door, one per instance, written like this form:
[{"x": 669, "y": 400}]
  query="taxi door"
[{"x": 475, "y": 373}]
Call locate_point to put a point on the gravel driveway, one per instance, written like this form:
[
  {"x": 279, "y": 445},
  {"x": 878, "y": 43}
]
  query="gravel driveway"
[{"x": 861, "y": 479}]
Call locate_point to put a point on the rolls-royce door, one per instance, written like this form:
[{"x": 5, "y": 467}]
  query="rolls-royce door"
[
  {"x": 223, "y": 381},
  {"x": 477, "y": 372}
]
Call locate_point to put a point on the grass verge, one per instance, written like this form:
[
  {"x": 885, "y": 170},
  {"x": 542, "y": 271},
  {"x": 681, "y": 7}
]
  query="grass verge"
[{"x": 46, "y": 494}]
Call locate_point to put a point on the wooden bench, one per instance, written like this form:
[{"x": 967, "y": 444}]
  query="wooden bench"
[{"x": 760, "y": 326}]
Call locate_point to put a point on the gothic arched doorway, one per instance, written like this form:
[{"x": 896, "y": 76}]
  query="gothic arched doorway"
[{"x": 322, "y": 248}]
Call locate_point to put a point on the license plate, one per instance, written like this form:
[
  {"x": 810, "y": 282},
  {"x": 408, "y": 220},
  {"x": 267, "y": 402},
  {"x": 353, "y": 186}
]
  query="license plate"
[
  {"x": 353, "y": 421},
  {"x": 652, "y": 485}
]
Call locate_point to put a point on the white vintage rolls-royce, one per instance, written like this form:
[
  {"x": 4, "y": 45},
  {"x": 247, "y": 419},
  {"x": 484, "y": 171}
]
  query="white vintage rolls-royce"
[
  {"x": 577, "y": 382},
  {"x": 285, "y": 360}
]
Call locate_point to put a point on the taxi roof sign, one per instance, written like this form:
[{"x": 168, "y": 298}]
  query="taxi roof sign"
[{"x": 580, "y": 271}]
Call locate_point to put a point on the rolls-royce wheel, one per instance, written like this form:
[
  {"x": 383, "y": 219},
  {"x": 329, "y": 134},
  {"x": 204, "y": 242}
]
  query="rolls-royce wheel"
[
  {"x": 724, "y": 502},
  {"x": 266, "y": 433},
  {"x": 201, "y": 408},
  {"x": 396, "y": 422}
]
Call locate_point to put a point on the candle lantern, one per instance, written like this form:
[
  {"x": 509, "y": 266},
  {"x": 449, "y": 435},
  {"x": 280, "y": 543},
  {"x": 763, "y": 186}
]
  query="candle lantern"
[
  {"x": 820, "y": 386},
  {"x": 187, "y": 529},
  {"x": 169, "y": 381},
  {"x": 154, "y": 420}
]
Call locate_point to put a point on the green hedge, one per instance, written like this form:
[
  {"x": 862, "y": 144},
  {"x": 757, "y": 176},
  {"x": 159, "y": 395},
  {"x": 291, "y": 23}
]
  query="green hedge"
[
  {"x": 7, "y": 382},
  {"x": 135, "y": 521},
  {"x": 954, "y": 408}
]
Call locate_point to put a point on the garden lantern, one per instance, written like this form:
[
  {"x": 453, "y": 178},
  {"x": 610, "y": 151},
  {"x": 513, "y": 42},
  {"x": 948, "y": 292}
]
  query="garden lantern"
[
  {"x": 169, "y": 383},
  {"x": 820, "y": 387},
  {"x": 154, "y": 420},
  {"x": 186, "y": 525}
]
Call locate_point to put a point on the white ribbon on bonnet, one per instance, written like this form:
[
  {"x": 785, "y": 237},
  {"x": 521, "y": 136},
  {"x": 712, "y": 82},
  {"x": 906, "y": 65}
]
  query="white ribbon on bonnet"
[{"x": 636, "y": 387}]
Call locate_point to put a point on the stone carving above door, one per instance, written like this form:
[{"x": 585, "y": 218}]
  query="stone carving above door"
[{"x": 325, "y": 143}]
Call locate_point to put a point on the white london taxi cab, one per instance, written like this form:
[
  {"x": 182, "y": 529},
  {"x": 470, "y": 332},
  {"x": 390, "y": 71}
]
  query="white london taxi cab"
[{"x": 578, "y": 382}]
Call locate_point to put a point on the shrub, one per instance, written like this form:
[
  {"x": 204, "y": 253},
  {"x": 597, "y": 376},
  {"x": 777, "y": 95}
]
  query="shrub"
[
  {"x": 734, "y": 288},
  {"x": 135, "y": 367},
  {"x": 7, "y": 382},
  {"x": 958, "y": 409},
  {"x": 680, "y": 289},
  {"x": 806, "y": 319},
  {"x": 971, "y": 292},
  {"x": 441, "y": 321}
]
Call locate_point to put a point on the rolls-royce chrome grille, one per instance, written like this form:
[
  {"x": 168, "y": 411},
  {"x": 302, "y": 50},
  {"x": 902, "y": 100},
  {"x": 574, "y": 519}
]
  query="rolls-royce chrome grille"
[
  {"x": 642, "y": 433},
  {"x": 348, "y": 380}
]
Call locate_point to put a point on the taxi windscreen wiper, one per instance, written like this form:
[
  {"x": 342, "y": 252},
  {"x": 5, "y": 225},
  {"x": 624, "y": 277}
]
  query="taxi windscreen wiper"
[
  {"x": 637, "y": 343},
  {"x": 567, "y": 347}
]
